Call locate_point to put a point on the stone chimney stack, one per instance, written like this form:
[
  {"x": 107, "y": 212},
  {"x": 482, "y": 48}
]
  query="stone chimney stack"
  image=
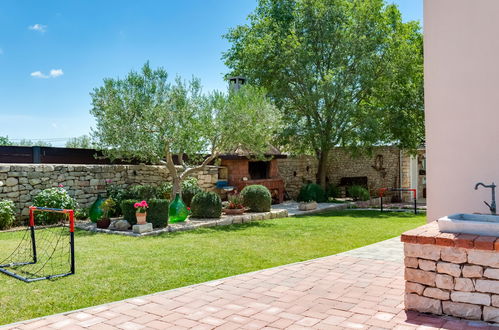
[{"x": 236, "y": 82}]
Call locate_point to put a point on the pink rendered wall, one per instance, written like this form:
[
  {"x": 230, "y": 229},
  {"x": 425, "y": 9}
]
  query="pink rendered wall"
[{"x": 461, "y": 103}]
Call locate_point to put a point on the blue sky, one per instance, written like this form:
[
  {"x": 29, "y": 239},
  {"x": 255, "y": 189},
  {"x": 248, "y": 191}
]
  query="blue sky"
[{"x": 53, "y": 53}]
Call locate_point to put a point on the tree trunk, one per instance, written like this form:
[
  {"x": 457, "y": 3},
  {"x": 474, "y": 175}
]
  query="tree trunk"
[
  {"x": 322, "y": 168},
  {"x": 176, "y": 187}
]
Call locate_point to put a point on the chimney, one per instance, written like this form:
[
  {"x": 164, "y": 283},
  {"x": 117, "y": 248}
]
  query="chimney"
[{"x": 236, "y": 82}]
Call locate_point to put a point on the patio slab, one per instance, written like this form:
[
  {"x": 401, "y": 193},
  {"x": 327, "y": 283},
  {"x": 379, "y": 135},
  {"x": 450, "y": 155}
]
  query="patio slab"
[{"x": 352, "y": 290}]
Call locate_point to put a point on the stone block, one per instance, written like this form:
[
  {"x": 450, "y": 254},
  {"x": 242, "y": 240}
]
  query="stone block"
[
  {"x": 491, "y": 273},
  {"x": 411, "y": 262},
  {"x": 411, "y": 287},
  {"x": 436, "y": 293},
  {"x": 495, "y": 300},
  {"x": 491, "y": 314},
  {"x": 424, "y": 251},
  {"x": 420, "y": 276},
  {"x": 427, "y": 265},
  {"x": 483, "y": 258},
  {"x": 11, "y": 182},
  {"x": 140, "y": 229},
  {"x": 487, "y": 286},
  {"x": 471, "y": 298},
  {"x": 444, "y": 281},
  {"x": 422, "y": 304},
  {"x": 464, "y": 284},
  {"x": 449, "y": 268},
  {"x": 465, "y": 311},
  {"x": 454, "y": 255},
  {"x": 472, "y": 271}
]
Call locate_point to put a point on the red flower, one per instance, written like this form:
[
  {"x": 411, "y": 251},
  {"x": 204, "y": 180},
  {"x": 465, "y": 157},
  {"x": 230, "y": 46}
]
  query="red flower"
[{"x": 61, "y": 185}]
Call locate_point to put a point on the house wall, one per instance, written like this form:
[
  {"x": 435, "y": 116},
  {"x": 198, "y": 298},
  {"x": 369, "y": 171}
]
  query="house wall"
[{"x": 461, "y": 103}]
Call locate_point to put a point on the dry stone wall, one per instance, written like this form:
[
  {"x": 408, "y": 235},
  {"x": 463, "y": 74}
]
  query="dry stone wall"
[
  {"x": 452, "y": 274},
  {"x": 21, "y": 182}
]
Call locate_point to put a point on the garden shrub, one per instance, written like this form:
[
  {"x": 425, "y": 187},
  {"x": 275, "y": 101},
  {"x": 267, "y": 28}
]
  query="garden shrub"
[
  {"x": 7, "y": 214},
  {"x": 257, "y": 198},
  {"x": 332, "y": 191},
  {"x": 128, "y": 209},
  {"x": 157, "y": 213},
  {"x": 312, "y": 192},
  {"x": 118, "y": 194},
  {"x": 189, "y": 189},
  {"x": 206, "y": 205},
  {"x": 57, "y": 198},
  {"x": 358, "y": 193},
  {"x": 82, "y": 214}
]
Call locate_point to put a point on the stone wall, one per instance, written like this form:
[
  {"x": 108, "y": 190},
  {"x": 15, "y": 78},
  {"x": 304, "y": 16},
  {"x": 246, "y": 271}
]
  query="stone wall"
[
  {"x": 452, "y": 274},
  {"x": 297, "y": 171},
  {"x": 382, "y": 169},
  {"x": 21, "y": 182}
]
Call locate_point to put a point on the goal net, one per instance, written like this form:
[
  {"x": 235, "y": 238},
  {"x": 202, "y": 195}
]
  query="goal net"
[{"x": 43, "y": 252}]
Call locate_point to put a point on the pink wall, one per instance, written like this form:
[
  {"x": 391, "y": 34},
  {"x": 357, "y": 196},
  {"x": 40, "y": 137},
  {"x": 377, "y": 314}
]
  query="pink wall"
[{"x": 461, "y": 103}]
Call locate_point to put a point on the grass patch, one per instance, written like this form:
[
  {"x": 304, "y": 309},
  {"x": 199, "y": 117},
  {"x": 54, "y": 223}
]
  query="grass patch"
[{"x": 109, "y": 267}]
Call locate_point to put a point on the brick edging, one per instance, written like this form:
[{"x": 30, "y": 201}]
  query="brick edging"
[{"x": 429, "y": 234}]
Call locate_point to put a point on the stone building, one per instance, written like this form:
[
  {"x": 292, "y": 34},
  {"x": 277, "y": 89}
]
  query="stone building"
[{"x": 385, "y": 167}]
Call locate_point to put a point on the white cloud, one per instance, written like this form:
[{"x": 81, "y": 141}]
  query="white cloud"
[
  {"x": 38, "y": 27},
  {"x": 54, "y": 73},
  {"x": 38, "y": 74}
]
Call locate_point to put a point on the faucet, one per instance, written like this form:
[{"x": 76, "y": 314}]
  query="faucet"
[{"x": 492, "y": 205}]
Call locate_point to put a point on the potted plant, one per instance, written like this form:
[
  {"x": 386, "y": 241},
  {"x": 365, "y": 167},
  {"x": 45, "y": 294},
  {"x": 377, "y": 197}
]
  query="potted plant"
[
  {"x": 307, "y": 206},
  {"x": 141, "y": 212},
  {"x": 107, "y": 206},
  {"x": 235, "y": 205}
]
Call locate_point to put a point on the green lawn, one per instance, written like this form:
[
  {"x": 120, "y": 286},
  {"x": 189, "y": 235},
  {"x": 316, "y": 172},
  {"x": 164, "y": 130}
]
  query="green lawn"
[{"x": 110, "y": 267}]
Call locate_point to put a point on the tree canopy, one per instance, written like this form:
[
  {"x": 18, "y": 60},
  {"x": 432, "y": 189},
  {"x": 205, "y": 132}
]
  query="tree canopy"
[
  {"x": 145, "y": 116},
  {"x": 344, "y": 72}
]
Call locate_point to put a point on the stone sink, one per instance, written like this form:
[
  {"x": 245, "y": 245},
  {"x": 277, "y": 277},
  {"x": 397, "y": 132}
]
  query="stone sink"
[{"x": 478, "y": 224}]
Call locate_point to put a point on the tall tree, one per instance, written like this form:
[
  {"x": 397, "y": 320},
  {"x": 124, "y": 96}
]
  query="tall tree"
[
  {"x": 144, "y": 116},
  {"x": 344, "y": 72}
]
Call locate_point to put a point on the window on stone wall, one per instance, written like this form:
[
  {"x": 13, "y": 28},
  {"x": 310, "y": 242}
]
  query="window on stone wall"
[{"x": 259, "y": 170}]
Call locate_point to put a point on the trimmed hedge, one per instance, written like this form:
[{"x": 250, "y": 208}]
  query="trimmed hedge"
[
  {"x": 206, "y": 205},
  {"x": 157, "y": 213},
  {"x": 312, "y": 192},
  {"x": 257, "y": 198}
]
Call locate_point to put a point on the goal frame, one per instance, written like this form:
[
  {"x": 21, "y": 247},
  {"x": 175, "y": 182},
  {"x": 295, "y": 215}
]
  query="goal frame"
[{"x": 32, "y": 228}]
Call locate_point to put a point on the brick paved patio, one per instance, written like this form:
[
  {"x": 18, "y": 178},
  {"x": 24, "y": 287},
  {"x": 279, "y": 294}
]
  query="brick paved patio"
[{"x": 359, "y": 289}]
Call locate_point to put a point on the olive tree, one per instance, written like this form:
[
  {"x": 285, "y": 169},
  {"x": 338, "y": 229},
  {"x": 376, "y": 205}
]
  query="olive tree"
[{"x": 146, "y": 117}]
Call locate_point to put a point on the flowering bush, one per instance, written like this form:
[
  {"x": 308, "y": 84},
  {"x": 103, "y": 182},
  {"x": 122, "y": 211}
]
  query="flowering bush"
[
  {"x": 57, "y": 198},
  {"x": 108, "y": 206},
  {"x": 7, "y": 215},
  {"x": 141, "y": 207}
]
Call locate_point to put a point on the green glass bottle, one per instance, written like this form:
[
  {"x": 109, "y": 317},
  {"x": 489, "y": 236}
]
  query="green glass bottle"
[
  {"x": 177, "y": 211},
  {"x": 96, "y": 212}
]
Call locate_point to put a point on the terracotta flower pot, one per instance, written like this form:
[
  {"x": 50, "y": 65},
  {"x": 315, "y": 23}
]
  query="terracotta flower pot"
[
  {"x": 141, "y": 218},
  {"x": 233, "y": 211}
]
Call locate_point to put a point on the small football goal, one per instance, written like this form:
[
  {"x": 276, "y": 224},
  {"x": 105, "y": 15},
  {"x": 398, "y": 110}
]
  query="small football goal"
[{"x": 43, "y": 252}]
